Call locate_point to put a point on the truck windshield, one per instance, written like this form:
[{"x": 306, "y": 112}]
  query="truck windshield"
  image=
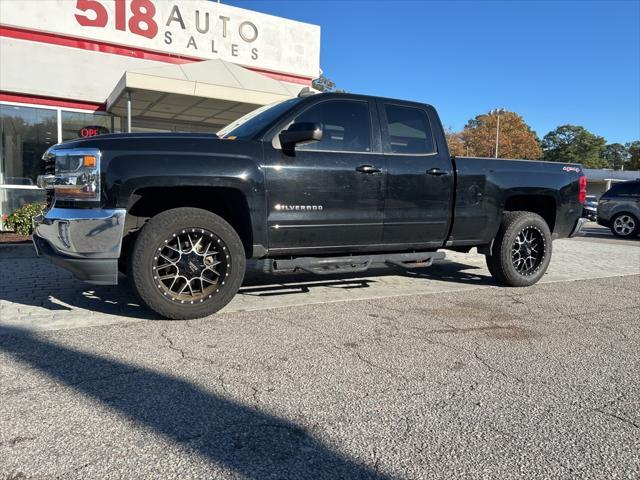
[{"x": 250, "y": 124}]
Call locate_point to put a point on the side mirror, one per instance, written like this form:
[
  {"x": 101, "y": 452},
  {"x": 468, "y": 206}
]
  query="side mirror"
[{"x": 303, "y": 132}]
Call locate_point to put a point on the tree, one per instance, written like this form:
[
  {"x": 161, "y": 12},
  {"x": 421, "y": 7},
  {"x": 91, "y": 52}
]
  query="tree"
[
  {"x": 633, "y": 151},
  {"x": 454, "y": 140},
  {"x": 515, "y": 140},
  {"x": 615, "y": 155},
  {"x": 324, "y": 84},
  {"x": 574, "y": 144}
]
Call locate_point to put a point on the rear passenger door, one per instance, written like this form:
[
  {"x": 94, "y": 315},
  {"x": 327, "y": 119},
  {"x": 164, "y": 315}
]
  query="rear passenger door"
[{"x": 419, "y": 182}]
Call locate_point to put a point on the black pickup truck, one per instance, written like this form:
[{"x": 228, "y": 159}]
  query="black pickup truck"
[{"x": 323, "y": 183}]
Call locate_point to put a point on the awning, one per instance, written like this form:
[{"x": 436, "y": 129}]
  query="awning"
[{"x": 212, "y": 91}]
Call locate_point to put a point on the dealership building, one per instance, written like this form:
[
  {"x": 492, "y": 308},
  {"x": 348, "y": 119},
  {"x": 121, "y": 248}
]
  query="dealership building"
[{"x": 74, "y": 68}]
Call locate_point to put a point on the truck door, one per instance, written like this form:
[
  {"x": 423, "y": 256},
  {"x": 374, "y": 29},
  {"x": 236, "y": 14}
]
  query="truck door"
[
  {"x": 329, "y": 193},
  {"x": 419, "y": 188}
]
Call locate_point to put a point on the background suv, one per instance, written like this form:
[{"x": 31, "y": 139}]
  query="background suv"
[{"x": 619, "y": 209}]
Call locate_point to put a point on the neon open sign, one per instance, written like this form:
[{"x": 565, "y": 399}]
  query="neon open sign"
[{"x": 92, "y": 131}]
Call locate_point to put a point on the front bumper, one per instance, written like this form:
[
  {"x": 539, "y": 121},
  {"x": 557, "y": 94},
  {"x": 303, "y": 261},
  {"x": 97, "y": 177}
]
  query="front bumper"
[
  {"x": 578, "y": 226},
  {"x": 86, "y": 242}
]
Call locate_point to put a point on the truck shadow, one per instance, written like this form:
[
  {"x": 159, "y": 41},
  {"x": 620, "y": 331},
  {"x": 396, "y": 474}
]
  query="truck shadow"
[
  {"x": 55, "y": 290},
  {"x": 257, "y": 287},
  {"x": 452, "y": 272},
  {"x": 447, "y": 271},
  {"x": 252, "y": 443}
]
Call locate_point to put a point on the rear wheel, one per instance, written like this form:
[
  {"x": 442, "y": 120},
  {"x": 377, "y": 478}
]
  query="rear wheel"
[
  {"x": 521, "y": 250},
  {"x": 625, "y": 225},
  {"x": 187, "y": 263}
]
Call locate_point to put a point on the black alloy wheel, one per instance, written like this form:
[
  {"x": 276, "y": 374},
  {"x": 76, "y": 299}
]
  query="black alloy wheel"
[
  {"x": 191, "y": 265},
  {"x": 528, "y": 250},
  {"x": 187, "y": 263}
]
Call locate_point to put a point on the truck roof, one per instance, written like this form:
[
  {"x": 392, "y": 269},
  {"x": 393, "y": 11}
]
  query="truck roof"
[{"x": 369, "y": 97}]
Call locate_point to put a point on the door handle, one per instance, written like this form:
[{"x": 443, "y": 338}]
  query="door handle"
[
  {"x": 367, "y": 169},
  {"x": 436, "y": 172}
]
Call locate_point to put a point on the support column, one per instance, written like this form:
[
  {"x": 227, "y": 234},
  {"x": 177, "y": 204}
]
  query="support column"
[{"x": 128, "y": 111}]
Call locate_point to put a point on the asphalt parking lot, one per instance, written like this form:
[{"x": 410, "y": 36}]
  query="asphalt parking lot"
[{"x": 437, "y": 373}]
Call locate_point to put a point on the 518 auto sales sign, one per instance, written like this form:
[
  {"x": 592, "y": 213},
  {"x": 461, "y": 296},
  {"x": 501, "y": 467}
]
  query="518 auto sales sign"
[{"x": 192, "y": 28}]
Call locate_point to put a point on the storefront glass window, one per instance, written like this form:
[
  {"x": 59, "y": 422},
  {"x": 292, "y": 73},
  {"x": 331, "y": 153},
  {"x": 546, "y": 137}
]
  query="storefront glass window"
[
  {"x": 25, "y": 134},
  {"x": 77, "y": 125}
]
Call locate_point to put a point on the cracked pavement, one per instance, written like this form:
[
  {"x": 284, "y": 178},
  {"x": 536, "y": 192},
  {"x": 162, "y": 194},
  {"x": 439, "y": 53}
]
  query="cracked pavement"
[
  {"x": 541, "y": 382},
  {"x": 469, "y": 381}
]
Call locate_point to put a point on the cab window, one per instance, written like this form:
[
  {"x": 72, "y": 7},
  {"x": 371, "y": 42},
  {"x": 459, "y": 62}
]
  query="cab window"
[
  {"x": 409, "y": 130},
  {"x": 346, "y": 126}
]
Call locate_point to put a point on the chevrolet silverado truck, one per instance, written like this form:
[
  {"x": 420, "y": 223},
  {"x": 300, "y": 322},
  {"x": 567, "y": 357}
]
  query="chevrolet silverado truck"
[{"x": 325, "y": 183}]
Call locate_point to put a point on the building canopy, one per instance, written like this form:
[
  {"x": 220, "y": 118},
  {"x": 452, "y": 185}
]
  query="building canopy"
[{"x": 213, "y": 91}]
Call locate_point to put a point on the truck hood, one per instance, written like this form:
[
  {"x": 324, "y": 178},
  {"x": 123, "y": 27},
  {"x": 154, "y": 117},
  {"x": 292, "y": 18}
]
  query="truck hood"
[
  {"x": 159, "y": 144},
  {"x": 104, "y": 141}
]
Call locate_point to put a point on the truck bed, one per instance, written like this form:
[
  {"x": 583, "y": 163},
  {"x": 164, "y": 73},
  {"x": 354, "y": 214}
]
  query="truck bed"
[{"x": 487, "y": 186}]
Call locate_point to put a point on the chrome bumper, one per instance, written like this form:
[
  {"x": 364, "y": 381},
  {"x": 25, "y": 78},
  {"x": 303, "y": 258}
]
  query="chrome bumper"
[
  {"x": 578, "y": 227},
  {"x": 86, "y": 242}
]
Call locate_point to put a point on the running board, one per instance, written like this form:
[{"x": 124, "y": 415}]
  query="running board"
[{"x": 354, "y": 263}]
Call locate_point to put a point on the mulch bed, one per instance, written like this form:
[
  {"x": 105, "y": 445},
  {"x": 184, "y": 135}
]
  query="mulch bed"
[{"x": 13, "y": 238}]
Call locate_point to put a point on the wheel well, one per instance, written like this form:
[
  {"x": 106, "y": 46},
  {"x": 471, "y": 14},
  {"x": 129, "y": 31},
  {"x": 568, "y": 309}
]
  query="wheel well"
[
  {"x": 543, "y": 205},
  {"x": 624, "y": 212},
  {"x": 227, "y": 203}
]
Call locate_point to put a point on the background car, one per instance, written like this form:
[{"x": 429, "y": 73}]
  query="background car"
[
  {"x": 619, "y": 209},
  {"x": 590, "y": 208}
]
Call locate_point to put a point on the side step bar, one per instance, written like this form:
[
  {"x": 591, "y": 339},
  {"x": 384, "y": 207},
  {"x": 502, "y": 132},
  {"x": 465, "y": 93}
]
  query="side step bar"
[{"x": 354, "y": 264}]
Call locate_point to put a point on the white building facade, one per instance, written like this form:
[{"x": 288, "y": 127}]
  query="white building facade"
[{"x": 72, "y": 68}]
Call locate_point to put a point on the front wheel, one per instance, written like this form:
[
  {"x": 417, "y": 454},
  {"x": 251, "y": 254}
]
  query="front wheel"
[
  {"x": 187, "y": 263},
  {"x": 625, "y": 225},
  {"x": 521, "y": 250}
]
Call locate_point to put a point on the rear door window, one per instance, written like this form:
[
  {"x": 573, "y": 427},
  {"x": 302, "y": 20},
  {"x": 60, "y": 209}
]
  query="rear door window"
[{"x": 409, "y": 130}]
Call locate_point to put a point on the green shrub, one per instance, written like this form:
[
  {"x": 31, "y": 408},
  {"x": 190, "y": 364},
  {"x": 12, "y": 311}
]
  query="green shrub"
[{"x": 20, "y": 220}]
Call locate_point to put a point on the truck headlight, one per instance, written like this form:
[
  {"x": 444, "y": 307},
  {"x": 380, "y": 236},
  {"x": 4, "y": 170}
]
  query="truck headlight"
[{"x": 76, "y": 174}]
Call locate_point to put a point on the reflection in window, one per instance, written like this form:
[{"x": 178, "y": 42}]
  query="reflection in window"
[
  {"x": 346, "y": 126},
  {"x": 409, "y": 130},
  {"x": 26, "y": 133},
  {"x": 77, "y": 125}
]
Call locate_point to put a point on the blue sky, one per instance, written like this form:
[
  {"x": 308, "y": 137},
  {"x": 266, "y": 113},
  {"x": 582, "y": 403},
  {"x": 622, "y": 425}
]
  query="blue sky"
[{"x": 553, "y": 62}]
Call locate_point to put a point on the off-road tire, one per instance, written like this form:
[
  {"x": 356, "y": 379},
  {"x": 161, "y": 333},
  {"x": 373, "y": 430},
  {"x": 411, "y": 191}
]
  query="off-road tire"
[
  {"x": 501, "y": 261},
  {"x": 633, "y": 232},
  {"x": 157, "y": 230}
]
